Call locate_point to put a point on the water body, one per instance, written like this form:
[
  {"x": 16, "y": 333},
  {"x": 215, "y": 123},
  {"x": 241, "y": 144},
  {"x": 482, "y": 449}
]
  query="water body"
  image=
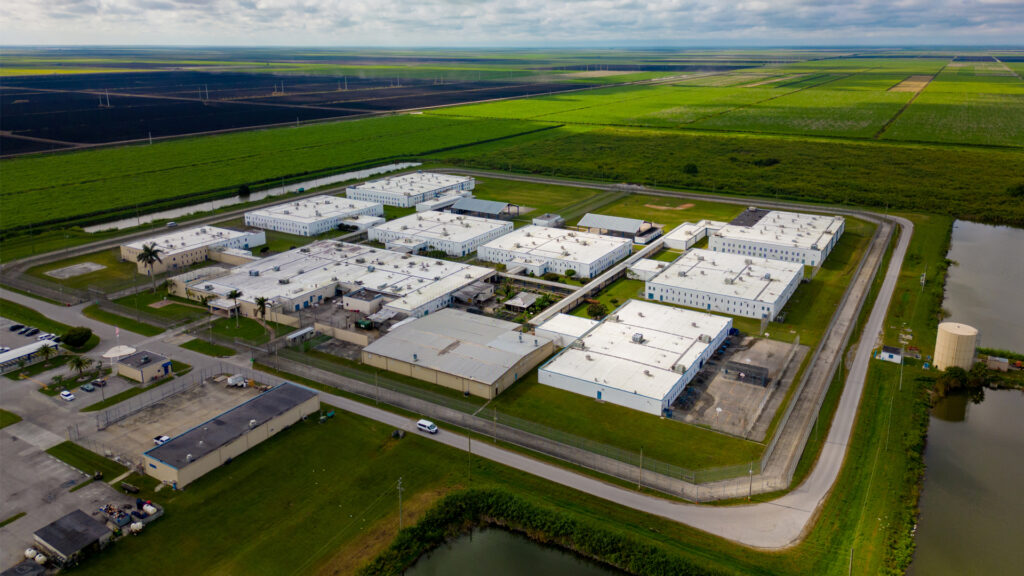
[
  {"x": 497, "y": 552},
  {"x": 971, "y": 507},
  {"x": 253, "y": 197},
  {"x": 984, "y": 288}
]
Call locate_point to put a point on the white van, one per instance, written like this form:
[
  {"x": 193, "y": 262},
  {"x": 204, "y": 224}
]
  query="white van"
[{"x": 427, "y": 426}]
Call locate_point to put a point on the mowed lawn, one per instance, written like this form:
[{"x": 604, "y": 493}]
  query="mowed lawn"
[
  {"x": 665, "y": 440},
  {"x": 172, "y": 310},
  {"x": 542, "y": 198},
  {"x": 289, "y": 504},
  {"x": 670, "y": 211},
  {"x": 114, "y": 275}
]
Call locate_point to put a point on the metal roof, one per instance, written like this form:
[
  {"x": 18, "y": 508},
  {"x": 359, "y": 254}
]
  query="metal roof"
[
  {"x": 615, "y": 223},
  {"x": 470, "y": 346},
  {"x": 892, "y": 350},
  {"x": 24, "y": 351},
  {"x": 481, "y": 206},
  {"x": 72, "y": 533},
  {"x": 213, "y": 434}
]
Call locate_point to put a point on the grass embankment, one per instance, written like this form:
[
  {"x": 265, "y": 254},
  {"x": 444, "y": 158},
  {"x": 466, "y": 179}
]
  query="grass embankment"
[
  {"x": 204, "y": 347},
  {"x": 29, "y": 317},
  {"x": 96, "y": 313},
  {"x": 8, "y": 418},
  {"x": 248, "y": 329},
  {"x": 85, "y": 460},
  {"x": 12, "y": 519},
  {"x": 179, "y": 369},
  {"x": 173, "y": 310}
]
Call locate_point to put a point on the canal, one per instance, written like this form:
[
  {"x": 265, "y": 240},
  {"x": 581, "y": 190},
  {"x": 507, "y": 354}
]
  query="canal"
[{"x": 496, "y": 552}]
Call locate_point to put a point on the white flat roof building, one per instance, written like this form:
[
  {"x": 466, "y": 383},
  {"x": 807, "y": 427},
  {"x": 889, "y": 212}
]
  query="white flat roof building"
[
  {"x": 442, "y": 202},
  {"x": 311, "y": 216},
  {"x": 454, "y": 234},
  {"x": 729, "y": 283},
  {"x": 790, "y": 236},
  {"x": 684, "y": 236},
  {"x": 304, "y": 277},
  {"x": 645, "y": 269},
  {"x": 363, "y": 221},
  {"x": 191, "y": 245},
  {"x": 539, "y": 250},
  {"x": 408, "y": 190},
  {"x": 641, "y": 356},
  {"x": 563, "y": 329}
]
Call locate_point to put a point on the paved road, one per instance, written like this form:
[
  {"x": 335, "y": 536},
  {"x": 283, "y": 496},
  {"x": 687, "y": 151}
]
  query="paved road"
[{"x": 766, "y": 525}]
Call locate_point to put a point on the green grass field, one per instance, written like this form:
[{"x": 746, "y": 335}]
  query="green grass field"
[
  {"x": 85, "y": 460},
  {"x": 669, "y": 211},
  {"x": 8, "y": 418},
  {"x": 123, "y": 178},
  {"x": 247, "y": 329},
  {"x": 39, "y": 367},
  {"x": 204, "y": 347},
  {"x": 176, "y": 310},
  {"x": 132, "y": 325}
]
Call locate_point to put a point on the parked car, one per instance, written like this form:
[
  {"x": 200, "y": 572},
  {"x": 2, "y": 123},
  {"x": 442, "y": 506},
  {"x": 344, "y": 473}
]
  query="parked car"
[
  {"x": 44, "y": 336},
  {"x": 56, "y": 339},
  {"x": 32, "y": 332},
  {"x": 24, "y": 330},
  {"x": 67, "y": 396},
  {"x": 99, "y": 383},
  {"x": 161, "y": 440},
  {"x": 427, "y": 426},
  {"x": 88, "y": 387},
  {"x": 4, "y": 349},
  {"x": 15, "y": 327}
]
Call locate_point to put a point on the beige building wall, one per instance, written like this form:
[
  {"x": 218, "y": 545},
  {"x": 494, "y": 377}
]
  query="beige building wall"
[
  {"x": 169, "y": 261},
  {"x": 232, "y": 259},
  {"x": 198, "y": 468},
  {"x": 358, "y": 338}
]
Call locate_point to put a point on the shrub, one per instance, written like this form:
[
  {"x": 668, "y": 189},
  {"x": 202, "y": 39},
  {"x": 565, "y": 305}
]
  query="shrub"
[
  {"x": 243, "y": 190},
  {"x": 1016, "y": 190},
  {"x": 597, "y": 310},
  {"x": 765, "y": 162},
  {"x": 77, "y": 336},
  {"x": 690, "y": 169},
  {"x": 570, "y": 273},
  {"x": 551, "y": 276}
]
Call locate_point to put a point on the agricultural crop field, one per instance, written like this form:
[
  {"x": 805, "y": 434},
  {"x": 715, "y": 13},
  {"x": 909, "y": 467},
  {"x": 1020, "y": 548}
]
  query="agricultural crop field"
[{"x": 100, "y": 183}]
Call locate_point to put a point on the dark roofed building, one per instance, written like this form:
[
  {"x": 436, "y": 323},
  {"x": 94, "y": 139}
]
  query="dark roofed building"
[
  {"x": 72, "y": 535},
  {"x": 640, "y": 231},
  {"x": 485, "y": 208},
  {"x": 749, "y": 217},
  {"x": 187, "y": 457},
  {"x": 144, "y": 366}
]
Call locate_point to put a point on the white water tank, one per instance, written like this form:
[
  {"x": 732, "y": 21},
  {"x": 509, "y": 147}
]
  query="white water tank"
[
  {"x": 31, "y": 553},
  {"x": 955, "y": 345},
  {"x": 41, "y": 559}
]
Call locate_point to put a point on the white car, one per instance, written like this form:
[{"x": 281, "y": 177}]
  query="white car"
[
  {"x": 67, "y": 396},
  {"x": 161, "y": 440},
  {"x": 427, "y": 426},
  {"x": 46, "y": 336}
]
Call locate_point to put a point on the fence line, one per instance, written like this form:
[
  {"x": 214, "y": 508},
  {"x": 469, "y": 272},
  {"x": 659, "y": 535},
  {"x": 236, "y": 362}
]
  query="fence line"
[{"x": 136, "y": 404}]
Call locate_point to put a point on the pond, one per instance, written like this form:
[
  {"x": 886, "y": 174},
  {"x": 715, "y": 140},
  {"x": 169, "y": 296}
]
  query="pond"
[
  {"x": 971, "y": 507},
  {"x": 253, "y": 197},
  {"x": 496, "y": 552},
  {"x": 983, "y": 288}
]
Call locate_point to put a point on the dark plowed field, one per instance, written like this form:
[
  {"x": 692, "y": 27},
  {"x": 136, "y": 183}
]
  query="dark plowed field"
[{"x": 73, "y": 109}]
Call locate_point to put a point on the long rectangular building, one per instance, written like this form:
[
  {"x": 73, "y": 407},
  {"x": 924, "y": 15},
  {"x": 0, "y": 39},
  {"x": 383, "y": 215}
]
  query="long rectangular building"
[
  {"x": 408, "y": 190},
  {"x": 304, "y": 277},
  {"x": 187, "y": 457},
  {"x": 789, "y": 236},
  {"x": 185, "y": 247},
  {"x": 729, "y": 283},
  {"x": 538, "y": 250},
  {"x": 311, "y": 216},
  {"x": 453, "y": 234},
  {"x": 641, "y": 356},
  {"x": 684, "y": 236}
]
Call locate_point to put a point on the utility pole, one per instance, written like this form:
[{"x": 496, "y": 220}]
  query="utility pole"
[
  {"x": 494, "y": 430},
  {"x": 399, "y": 509},
  {"x": 376, "y": 383},
  {"x": 750, "y": 488},
  {"x": 469, "y": 443},
  {"x": 640, "y": 480}
]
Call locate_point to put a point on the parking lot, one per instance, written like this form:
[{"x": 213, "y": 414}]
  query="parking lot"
[
  {"x": 9, "y": 339},
  {"x": 724, "y": 403}
]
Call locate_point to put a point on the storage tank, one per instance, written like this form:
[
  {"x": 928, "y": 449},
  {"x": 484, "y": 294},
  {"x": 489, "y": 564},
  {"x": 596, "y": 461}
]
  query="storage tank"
[{"x": 955, "y": 345}]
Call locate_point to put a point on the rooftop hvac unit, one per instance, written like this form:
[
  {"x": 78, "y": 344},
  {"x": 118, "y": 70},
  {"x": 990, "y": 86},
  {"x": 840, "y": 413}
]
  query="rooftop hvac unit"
[
  {"x": 208, "y": 287},
  {"x": 700, "y": 258},
  {"x": 468, "y": 275},
  {"x": 767, "y": 276},
  {"x": 287, "y": 212},
  {"x": 682, "y": 273},
  {"x": 284, "y": 281},
  {"x": 277, "y": 268},
  {"x": 638, "y": 338},
  {"x": 254, "y": 272},
  {"x": 589, "y": 357},
  {"x": 704, "y": 338},
  {"x": 679, "y": 368},
  {"x": 370, "y": 268},
  {"x": 647, "y": 373},
  {"x": 304, "y": 250},
  {"x": 404, "y": 227},
  {"x": 730, "y": 281}
]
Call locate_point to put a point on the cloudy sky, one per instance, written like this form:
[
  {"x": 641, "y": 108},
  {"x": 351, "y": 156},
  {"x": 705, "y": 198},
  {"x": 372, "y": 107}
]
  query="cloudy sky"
[{"x": 512, "y": 22}]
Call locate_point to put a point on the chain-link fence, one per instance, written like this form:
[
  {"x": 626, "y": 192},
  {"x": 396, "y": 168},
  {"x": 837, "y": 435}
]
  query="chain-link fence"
[{"x": 138, "y": 403}]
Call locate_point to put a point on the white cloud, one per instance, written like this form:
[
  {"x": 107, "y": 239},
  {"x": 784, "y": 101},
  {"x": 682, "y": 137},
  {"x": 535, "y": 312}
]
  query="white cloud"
[{"x": 510, "y": 22}]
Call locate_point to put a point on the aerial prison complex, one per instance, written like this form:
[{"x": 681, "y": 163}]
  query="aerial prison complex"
[
  {"x": 316, "y": 215},
  {"x": 471, "y": 353},
  {"x": 539, "y": 250},
  {"x": 640, "y": 356},
  {"x": 791, "y": 236},
  {"x": 728, "y": 283},
  {"x": 305, "y": 277},
  {"x": 408, "y": 190},
  {"x": 452, "y": 234},
  {"x": 183, "y": 248}
]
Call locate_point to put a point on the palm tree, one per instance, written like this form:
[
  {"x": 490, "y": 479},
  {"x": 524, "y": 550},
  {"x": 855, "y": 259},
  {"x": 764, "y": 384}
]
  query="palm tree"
[
  {"x": 47, "y": 352},
  {"x": 261, "y": 309},
  {"x": 235, "y": 295},
  {"x": 149, "y": 256},
  {"x": 80, "y": 363}
]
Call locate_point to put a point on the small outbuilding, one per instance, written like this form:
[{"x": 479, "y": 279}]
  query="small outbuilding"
[
  {"x": 549, "y": 220},
  {"x": 68, "y": 538},
  {"x": 639, "y": 231},
  {"x": 484, "y": 208},
  {"x": 891, "y": 354},
  {"x": 521, "y": 302},
  {"x": 144, "y": 366}
]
